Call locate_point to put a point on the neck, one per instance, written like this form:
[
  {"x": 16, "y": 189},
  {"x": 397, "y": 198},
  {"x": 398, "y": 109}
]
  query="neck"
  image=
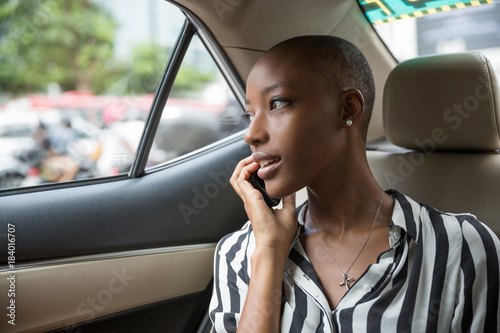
[{"x": 341, "y": 203}]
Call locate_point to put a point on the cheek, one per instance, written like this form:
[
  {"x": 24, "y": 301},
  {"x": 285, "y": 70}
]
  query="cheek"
[
  {"x": 313, "y": 138},
  {"x": 309, "y": 147},
  {"x": 306, "y": 149},
  {"x": 318, "y": 147}
]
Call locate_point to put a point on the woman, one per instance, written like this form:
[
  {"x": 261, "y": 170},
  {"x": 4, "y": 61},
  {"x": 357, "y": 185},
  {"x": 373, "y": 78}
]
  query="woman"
[{"x": 355, "y": 258}]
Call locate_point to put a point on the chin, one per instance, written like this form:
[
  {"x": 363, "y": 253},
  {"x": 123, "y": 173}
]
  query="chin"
[{"x": 276, "y": 191}]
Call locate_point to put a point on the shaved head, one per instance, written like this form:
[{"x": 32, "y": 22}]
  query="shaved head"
[{"x": 339, "y": 62}]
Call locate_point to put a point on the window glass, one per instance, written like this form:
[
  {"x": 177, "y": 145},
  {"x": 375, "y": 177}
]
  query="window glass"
[
  {"x": 422, "y": 27},
  {"x": 201, "y": 108},
  {"x": 77, "y": 79}
]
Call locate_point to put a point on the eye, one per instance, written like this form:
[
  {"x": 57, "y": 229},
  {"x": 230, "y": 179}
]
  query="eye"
[
  {"x": 248, "y": 116},
  {"x": 279, "y": 103}
]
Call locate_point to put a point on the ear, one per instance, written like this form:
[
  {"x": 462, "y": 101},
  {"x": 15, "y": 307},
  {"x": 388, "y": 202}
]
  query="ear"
[{"x": 353, "y": 104}]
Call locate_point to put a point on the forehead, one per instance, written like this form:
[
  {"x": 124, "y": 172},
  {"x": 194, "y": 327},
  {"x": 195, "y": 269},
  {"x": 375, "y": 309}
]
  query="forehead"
[{"x": 281, "y": 69}]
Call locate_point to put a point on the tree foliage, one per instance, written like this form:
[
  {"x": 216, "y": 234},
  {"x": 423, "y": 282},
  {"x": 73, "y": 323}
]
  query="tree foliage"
[
  {"x": 63, "y": 41},
  {"x": 191, "y": 79},
  {"x": 71, "y": 43}
]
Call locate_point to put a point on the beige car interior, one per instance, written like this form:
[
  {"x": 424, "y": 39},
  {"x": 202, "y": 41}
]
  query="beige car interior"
[
  {"x": 444, "y": 110},
  {"x": 64, "y": 293},
  {"x": 459, "y": 172}
]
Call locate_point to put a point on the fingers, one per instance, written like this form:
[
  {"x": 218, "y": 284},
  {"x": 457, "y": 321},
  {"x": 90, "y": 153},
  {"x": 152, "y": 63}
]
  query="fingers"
[
  {"x": 272, "y": 227},
  {"x": 248, "y": 170},
  {"x": 236, "y": 174},
  {"x": 239, "y": 178}
]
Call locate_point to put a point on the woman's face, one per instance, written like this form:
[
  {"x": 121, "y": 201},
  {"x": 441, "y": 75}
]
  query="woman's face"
[{"x": 295, "y": 129}]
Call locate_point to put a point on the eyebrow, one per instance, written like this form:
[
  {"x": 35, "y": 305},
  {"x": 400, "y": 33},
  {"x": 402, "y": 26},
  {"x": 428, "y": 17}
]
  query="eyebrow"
[{"x": 274, "y": 86}]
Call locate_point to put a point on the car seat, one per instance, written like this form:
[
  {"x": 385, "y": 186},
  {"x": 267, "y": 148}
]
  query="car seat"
[{"x": 442, "y": 114}]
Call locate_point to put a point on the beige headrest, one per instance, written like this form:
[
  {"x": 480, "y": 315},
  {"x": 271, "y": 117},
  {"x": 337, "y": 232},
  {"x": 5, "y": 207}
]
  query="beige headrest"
[{"x": 445, "y": 102}]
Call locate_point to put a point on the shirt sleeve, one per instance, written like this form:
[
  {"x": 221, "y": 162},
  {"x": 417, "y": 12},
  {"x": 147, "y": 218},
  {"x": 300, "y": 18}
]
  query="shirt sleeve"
[
  {"x": 231, "y": 279},
  {"x": 477, "y": 308}
]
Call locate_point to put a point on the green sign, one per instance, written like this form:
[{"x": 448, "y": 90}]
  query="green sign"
[{"x": 383, "y": 11}]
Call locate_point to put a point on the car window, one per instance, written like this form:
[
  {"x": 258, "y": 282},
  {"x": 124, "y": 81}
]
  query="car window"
[
  {"x": 77, "y": 80},
  {"x": 417, "y": 28},
  {"x": 201, "y": 108}
]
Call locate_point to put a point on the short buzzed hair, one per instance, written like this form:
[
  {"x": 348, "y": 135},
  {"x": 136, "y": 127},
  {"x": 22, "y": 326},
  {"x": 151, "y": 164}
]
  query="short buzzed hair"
[{"x": 340, "y": 62}]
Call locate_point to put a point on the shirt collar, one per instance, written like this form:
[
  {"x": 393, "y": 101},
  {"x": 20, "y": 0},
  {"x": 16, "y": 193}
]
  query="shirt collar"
[{"x": 406, "y": 215}]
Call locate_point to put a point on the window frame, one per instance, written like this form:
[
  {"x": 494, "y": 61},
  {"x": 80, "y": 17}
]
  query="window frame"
[
  {"x": 160, "y": 99},
  {"x": 227, "y": 70}
]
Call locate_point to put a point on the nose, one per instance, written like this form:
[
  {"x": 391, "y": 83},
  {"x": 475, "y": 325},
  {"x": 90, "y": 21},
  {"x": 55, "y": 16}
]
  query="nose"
[{"x": 257, "y": 131}]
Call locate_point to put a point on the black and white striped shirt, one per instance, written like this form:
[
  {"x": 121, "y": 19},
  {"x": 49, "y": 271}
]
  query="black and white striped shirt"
[{"x": 441, "y": 274}]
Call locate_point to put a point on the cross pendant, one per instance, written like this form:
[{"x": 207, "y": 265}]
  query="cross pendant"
[{"x": 346, "y": 281}]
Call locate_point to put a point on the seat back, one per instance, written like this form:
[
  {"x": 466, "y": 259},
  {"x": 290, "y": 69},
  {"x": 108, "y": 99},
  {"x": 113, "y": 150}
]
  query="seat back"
[{"x": 442, "y": 114}]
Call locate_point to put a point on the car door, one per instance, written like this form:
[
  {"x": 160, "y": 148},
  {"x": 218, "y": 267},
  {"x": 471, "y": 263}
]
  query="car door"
[{"x": 131, "y": 252}]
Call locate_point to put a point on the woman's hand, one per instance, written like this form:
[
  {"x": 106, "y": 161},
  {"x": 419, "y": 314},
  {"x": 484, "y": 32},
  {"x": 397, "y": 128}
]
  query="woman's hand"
[{"x": 273, "y": 229}]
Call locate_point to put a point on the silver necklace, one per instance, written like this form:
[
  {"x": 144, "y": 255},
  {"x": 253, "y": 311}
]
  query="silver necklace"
[{"x": 347, "y": 278}]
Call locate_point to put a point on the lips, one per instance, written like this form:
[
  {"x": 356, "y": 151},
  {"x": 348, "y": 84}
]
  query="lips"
[{"x": 269, "y": 164}]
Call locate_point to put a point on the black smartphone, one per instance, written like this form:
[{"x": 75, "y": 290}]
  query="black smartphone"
[{"x": 259, "y": 184}]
